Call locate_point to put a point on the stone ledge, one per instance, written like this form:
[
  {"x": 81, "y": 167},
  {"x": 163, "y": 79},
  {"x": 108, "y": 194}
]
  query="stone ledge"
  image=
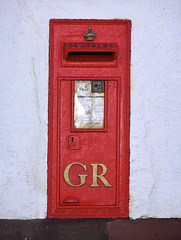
[
  {"x": 144, "y": 229},
  {"x": 91, "y": 229}
]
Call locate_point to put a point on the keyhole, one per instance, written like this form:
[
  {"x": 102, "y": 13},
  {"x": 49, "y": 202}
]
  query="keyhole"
[{"x": 72, "y": 139}]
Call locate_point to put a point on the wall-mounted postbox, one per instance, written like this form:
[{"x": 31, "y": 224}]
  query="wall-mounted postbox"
[{"x": 88, "y": 152}]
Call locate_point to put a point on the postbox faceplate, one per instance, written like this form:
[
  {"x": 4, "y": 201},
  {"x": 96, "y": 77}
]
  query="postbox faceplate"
[{"x": 88, "y": 154}]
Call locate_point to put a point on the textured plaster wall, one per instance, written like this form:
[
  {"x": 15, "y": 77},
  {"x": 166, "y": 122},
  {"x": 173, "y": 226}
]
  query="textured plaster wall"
[{"x": 155, "y": 142}]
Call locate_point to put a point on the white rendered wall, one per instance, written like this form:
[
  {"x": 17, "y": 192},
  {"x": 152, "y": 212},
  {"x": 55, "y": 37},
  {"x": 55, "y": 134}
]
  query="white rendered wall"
[{"x": 155, "y": 137}]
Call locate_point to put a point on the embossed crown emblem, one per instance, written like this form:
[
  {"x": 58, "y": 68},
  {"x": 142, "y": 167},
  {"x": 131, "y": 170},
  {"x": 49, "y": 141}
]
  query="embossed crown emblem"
[{"x": 90, "y": 35}]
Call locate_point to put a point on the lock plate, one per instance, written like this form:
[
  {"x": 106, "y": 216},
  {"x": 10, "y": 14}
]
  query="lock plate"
[
  {"x": 74, "y": 142},
  {"x": 97, "y": 86}
]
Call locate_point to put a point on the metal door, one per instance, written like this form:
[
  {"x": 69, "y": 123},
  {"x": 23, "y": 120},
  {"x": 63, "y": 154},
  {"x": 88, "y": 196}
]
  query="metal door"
[{"x": 88, "y": 142}]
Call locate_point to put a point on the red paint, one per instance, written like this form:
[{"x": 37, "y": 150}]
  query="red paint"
[{"x": 93, "y": 151}]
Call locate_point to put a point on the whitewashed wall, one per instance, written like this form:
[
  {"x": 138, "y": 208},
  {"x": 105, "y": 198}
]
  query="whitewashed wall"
[{"x": 155, "y": 161}]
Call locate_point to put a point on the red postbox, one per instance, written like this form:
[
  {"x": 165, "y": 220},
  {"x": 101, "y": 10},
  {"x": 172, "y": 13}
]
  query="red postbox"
[{"x": 88, "y": 149}]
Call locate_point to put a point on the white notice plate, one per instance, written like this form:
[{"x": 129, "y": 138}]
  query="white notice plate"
[{"x": 88, "y": 105}]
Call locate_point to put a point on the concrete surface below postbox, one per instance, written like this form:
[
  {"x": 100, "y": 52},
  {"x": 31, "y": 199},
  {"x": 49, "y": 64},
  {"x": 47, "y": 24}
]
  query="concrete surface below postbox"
[{"x": 91, "y": 229}]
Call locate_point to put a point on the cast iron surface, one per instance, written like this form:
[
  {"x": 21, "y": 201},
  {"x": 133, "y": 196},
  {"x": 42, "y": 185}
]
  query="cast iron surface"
[{"x": 102, "y": 159}]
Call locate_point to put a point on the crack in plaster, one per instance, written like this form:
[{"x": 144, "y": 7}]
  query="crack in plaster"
[
  {"x": 35, "y": 88},
  {"x": 147, "y": 148},
  {"x": 29, "y": 17}
]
